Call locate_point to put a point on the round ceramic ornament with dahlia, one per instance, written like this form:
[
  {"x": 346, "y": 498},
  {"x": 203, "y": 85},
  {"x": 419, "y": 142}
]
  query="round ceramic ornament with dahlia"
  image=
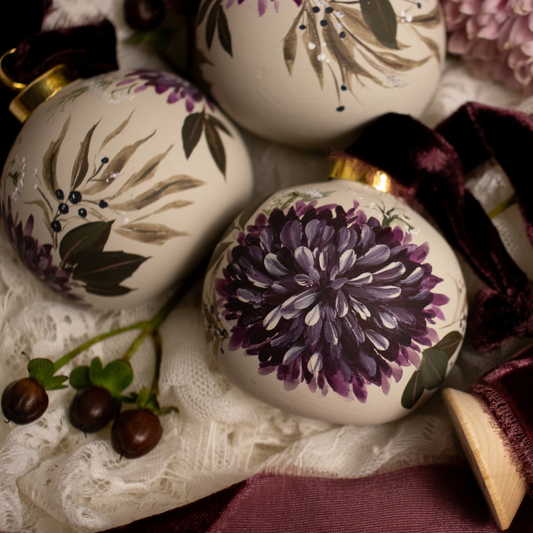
[{"x": 336, "y": 302}]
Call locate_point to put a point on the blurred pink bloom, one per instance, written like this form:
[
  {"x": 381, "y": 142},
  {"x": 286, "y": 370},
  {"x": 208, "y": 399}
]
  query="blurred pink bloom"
[{"x": 495, "y": 38}]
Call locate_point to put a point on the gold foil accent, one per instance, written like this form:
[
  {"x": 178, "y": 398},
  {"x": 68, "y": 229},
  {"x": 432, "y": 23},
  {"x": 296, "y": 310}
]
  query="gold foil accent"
[
  {"x": 353, "y": 169},
  {"x": 5, "y": 79}
]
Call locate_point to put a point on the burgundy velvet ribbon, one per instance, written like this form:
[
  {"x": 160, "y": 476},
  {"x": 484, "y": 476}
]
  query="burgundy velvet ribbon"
[
  {"x": 430, "y": 165},
  {"x": 507, "y": 392},
  {"x": 424, "y": 499}
]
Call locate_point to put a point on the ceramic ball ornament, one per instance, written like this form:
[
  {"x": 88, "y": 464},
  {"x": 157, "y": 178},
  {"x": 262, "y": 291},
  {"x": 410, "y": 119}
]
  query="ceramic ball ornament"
[
  {"x": 309, "y": 73},
  {"x": 335, "y": 301},
  {"x": 118, "y": 186}
]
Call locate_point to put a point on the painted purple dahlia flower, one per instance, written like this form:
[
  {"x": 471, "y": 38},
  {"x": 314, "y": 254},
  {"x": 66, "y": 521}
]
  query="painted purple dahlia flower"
[
  {"x": 166, "y": 81},
  {"x": 37, "y": 257},
  {"x": 329, "y": 297}
]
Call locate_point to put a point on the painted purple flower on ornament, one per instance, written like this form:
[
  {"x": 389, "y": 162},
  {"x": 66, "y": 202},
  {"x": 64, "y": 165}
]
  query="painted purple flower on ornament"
[
  {"x": 263, "y": 4},
  {"x": 329, "y": 297},
  {"x": 37, "y": 257},
  {"x": 165, "y": 81}
]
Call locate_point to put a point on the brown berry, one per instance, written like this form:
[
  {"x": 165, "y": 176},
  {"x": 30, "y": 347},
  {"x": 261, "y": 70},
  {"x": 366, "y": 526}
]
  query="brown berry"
[
  {"x": 92, "y": 409},
  {"x": 24, "y": 401}
]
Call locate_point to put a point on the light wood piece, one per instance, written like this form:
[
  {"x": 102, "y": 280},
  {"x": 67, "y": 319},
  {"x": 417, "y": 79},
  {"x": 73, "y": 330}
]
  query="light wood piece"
[{"x": 489, "y": 458}]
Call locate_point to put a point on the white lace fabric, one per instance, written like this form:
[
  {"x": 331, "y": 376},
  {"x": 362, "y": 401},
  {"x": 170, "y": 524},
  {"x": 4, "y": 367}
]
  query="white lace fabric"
[{"x": 54, "y": 479}]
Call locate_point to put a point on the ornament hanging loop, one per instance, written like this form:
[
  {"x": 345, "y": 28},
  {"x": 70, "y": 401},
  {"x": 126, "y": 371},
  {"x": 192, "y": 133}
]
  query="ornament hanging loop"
[
  {"x": 38, "y": 91},
  {"x": 5, "y": 79}
]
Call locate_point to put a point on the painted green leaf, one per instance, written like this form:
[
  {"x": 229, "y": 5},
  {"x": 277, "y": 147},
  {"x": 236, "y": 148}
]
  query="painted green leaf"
[
  {"x": 54, "y": 383},
  {"x": 81, "y": 164},
  {"x": 40, "y": 368},
  {"x": 106, "y": 269},
  {"x": 381, "y": 19},
  {"x": 216, "y": 147},
  {"x": 50, "y": 160},
  {"x": 149, "y": 233},
  {"x": 211, "y": 25},
  {"x": 217, "y": 124},
  {"x": 80, "y": 378},
  {"x": 191, "y": 132},
  {"x": 202, "y": 11},
  {"x": 224, "y": 35},
  {"x": 413, "y": 391},
  {"x": 433, "y": 368},
  {"x": 117, "y": 376},
  {"x": 84, "y": 240},
  {"x": 449, "y": 343}
]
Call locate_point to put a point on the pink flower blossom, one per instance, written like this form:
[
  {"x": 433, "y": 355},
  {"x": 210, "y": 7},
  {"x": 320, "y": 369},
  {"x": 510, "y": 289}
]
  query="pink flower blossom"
[{"x": 495, "y": 38}]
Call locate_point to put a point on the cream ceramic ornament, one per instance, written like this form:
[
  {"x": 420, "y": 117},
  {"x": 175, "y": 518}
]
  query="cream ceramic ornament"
[
  {"x": 118, "y": 186},
  {"x": 308, "y": 73},
  {"x": 336, "y": 302}
]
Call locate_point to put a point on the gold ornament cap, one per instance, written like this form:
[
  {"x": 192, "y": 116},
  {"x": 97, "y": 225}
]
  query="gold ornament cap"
[
  {"x": 32, "y": 95},
  {"x": 350, "y": 168}
]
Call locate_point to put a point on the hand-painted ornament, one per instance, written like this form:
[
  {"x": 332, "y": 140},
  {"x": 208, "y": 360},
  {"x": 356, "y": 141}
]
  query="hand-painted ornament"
[
  {"x": 307, "y": 73},
  {"x": 117, "y": 186},
  {"x": 335, "y": 301}
]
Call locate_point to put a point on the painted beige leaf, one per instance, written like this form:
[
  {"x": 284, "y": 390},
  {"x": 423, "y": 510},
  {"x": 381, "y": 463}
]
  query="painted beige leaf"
[
  {"x": 146, "y": 173},
  {"x": 398, "y": 64},
  {"x": 43, "y": 205},
  {"x": 178, "y": 204},
  {"x": 343, "y": 56},
  {"x": 290, "y": 43},
  {"x": 431, "y": 44},
  {"x": 81, "y": 165},
  {"x": 429, "y": 20},
  {"x": 355, "y": 25},
  {"x": 157, "y": 192},
  {"x": 310, "y": 37},
  {"x": 149, "y": 233},
  {"x": 50, "y": 160},
  {"x": 114, "y": 167},
  {"x": 116, "y": 132}
]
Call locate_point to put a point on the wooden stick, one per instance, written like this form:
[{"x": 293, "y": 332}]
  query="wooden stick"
[{"x": 485, "y": 446}]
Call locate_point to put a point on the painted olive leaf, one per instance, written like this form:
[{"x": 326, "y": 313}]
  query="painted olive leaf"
[
  {"x": 115, "y": 167},
  {"x": 106, "y": 269},
  {"x": 311, "y": 37},
  {"x": 81, "y": 164},
  {"x": 217, "y": 124},
  {"x": 381, "y": 19},
  {"x": 177, "y": 204},
  {"x": 202, "y": 11},
  {"x": 224, "y": 34},
  {"x": 116, "y": 132},
  {"x": 343, "y": 56},
  {"x": 149, "y": 233},
  {"x": 290, "y": 44},
  {"x": 50, "y": 160},
  {"x": 214, "y": 142},
  {"x": 428, "y": 20},
  {"x": 146, "y": 173},
  {"x": 83, "y": 241},
  {"x": 431, "y": 44},
  {"x": 353, "y": 19},
  {"x": 432, "y": 370},
  {"x": 174, "y": 184},
  {"x": 211, "y": 25},
  {"x": 191, "y": 131}
]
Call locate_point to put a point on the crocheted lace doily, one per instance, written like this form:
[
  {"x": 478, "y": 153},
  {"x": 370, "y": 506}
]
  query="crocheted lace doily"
[{"x": 56, "y": 479}]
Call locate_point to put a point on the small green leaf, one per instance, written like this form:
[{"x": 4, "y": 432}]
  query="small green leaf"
[
  {"x": 40, "y": 369},
  {"x": 381, "y": 19},
  {"x": 54, "y": 383},
  {"x": 117, "y": 376},
  {"x": 143, "y": 398},
  {"x": 80, "y": 378},
  {"x": 83, "y": 241},
  {"x": 216, "y": 147},
  {"x": 191, "y": 132},
  {"x": 413, "y": 391},
  {"x": 433, "y": 367},
  {"x": 96, "y": 372},
  {"x": 224, "y": 34}
]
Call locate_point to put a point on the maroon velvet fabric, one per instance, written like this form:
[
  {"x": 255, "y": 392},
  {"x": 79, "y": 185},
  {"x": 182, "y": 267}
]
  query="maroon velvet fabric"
[
  {"x": 507, "y": 393},
  {"x": 431, "y": 164},
  {"x": 424, "y": 499}
]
